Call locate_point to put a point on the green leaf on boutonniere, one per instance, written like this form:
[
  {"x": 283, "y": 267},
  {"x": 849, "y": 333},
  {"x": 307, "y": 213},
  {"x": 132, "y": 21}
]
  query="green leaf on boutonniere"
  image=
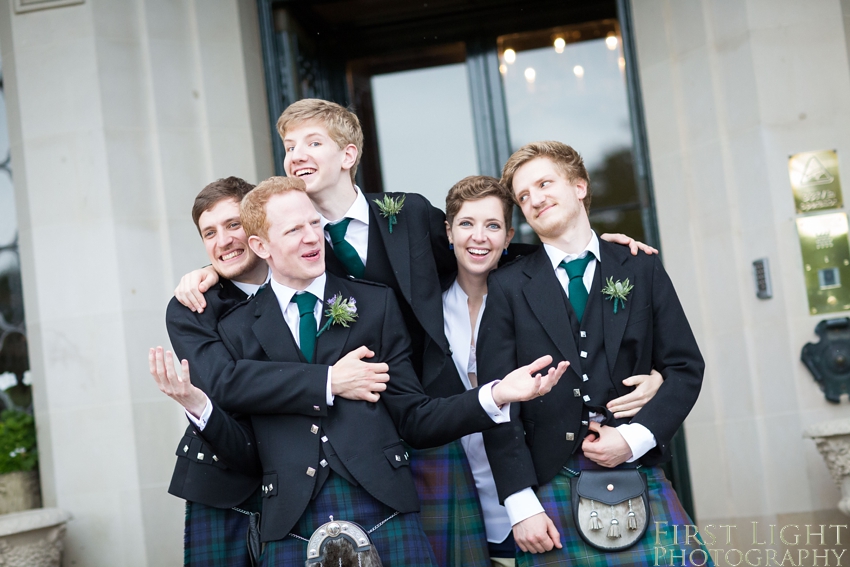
[
  {"x": 339, "y": 312},
  {"x": 618, "y": 291},
  {"x": 390, "y": 208}
]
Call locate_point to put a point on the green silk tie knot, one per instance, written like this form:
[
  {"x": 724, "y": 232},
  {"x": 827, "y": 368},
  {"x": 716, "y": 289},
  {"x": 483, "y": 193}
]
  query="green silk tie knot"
[
  {"x": 306, "y": 303},
  {"x": 343, "y": 250},
  {"x": 578, "y": 293}
]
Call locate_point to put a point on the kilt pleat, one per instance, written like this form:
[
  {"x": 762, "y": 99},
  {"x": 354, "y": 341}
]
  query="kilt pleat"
[
  {"x": 400, "y": 542},
  {"x": 657, "y": 546},
  {"x": 215, "y": 537},
  {"x": 451, "y": 512}
]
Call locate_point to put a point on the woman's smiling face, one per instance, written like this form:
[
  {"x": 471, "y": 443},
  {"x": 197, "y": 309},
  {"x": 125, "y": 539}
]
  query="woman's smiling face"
[{"x": 479, "y": 235}]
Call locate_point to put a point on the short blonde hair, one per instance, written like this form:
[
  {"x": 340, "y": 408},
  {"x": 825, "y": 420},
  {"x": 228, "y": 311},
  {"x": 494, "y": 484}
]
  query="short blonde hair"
[
  {"x": 342, "y": 125},
  {"x": 477, "y": 187},
  {"x": 252, "y": 210},
  {"x": 566, "y": 160}
]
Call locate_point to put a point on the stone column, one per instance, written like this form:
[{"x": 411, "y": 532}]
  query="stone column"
[{"x": 120, "y": 112}]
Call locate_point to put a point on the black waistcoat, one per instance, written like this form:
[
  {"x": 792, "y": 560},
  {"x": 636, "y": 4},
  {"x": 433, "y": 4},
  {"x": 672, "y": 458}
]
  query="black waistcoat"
[{"x": 597, "y": 388}]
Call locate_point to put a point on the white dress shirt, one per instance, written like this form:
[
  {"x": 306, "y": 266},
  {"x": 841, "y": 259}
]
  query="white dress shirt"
[
  {"x": 497, "y": 524},
  {"x": 524, "y": 504},
  {"x": 357, "y": 233}
]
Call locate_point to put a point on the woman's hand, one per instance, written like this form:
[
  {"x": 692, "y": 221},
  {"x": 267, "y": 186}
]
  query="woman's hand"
[{"x": 646, "y": 387}]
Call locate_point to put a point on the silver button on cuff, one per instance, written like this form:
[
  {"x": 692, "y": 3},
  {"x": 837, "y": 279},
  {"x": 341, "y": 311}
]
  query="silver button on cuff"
[
  {"x": 584, "y": 378},
  {"x": 314, "y": 429},
  {"x": 586, "y": 398},
  {"x": 324, "y": 463},
  {"x": 200, "y": 456},
  {"x": 576, "y": 392},
  {"x": 311, "y": 471},
  {"x": 583, "y": 354},
  {"x": 571, "y": 436}
]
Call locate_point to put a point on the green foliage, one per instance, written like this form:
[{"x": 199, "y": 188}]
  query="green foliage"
[{"x": 17, "y": 442}]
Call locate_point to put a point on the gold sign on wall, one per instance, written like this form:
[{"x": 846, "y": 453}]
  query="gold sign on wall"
[
  {"x": 815, "y": 181},
  {"x": 826, "y": 260}
]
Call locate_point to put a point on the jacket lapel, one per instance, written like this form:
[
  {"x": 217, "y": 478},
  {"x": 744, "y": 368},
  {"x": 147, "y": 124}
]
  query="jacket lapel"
[
  {"x": 613, "y": 266},
  {"x": 396, "y": 244},
  {"x": 271, "y": 330},
  {"x": 544, "y": 295},
  {"x": 331, "y": 342}
]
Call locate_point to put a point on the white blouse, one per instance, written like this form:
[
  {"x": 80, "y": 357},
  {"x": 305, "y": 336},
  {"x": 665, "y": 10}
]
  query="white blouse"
[{"x": 456, "y": 322}]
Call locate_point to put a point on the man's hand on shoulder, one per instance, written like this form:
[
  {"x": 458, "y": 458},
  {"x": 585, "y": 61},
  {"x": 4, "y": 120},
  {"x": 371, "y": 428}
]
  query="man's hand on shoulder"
[
  {"x": 537, "y": 534},
  {"x": 190, "y": 291},
  {"x": 634, "y": 245},
  {"x": 354, "y": 379},
  {"x": 608, "y": 448}
]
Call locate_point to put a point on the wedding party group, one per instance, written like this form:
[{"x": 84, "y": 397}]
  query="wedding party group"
[{"x": 368, "y": 380}]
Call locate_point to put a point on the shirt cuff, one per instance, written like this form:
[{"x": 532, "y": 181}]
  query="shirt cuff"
[
  {"x": 201, "y": 422},
  {"x": 522, "y": 505},
  {"x": 329, "y": 397},
  {"x": 485, "y": 398},
  {"x": 639, "y": 439}
]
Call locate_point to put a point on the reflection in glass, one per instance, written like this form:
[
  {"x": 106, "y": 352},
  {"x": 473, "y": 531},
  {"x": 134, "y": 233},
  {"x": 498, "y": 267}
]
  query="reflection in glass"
[
  {"x": 577, "y": 95},
  {"x": 425, "y": 131},
  {"x": 14, "y": 362}
]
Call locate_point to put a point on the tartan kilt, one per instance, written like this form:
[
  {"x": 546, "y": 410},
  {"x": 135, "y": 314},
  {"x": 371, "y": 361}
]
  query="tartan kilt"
[
  {"x": 400, "y": 542},
  {"x": 217, "y": 537},
  {"x": 664, "y": 507},
  {"x": 451, "y": 512}
]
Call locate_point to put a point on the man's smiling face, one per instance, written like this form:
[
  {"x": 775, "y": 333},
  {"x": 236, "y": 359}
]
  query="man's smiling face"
[
  {"x": 226, "y": 241},
  {"x": 313, "y": 156},
  {"x": 550, "y": 202}
]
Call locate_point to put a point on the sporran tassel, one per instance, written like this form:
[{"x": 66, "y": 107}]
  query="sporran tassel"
[
  {"x": 595, "y": 522},
  {"x": 614, "y": 530},
  {"x": 632, "y": 517}
]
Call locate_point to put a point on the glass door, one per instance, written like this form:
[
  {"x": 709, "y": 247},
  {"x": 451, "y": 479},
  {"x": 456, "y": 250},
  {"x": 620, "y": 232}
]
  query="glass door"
[{"x": 568, "y": 84}]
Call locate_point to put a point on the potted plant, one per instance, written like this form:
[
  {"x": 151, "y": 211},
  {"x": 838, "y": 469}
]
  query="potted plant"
[{"x": 19, "y": 487}]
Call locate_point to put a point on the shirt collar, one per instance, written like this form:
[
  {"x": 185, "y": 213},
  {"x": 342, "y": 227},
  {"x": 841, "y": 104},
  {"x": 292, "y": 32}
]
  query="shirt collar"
[
  {"x": 556, "y": 255},
  {"x": 359, "y": 210},
  {"x": 251, "y": 289},
  {"x": 284, "y": 294}
]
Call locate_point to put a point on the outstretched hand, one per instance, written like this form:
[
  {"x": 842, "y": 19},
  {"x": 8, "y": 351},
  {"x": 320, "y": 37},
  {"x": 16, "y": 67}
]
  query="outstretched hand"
[
  {"x": 190, "y": 291},
  {"x": 634, "y": 245},
  {"x": 176, "y": 386},
  {"x": 525, "y": 383}
]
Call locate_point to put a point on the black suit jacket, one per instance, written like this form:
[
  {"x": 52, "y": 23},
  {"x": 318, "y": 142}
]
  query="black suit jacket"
[
  {"x": 201, "y": 474},
  {"x": 418, "y": 253},
  {"x": 286, "y": 397},
  {"x": 526, "y": 317}
]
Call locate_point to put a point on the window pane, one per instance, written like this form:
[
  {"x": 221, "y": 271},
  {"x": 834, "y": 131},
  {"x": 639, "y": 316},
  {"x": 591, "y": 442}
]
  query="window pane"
[
  {"x": 568, "y": 84},
  {"x": 425, "y": 132}
]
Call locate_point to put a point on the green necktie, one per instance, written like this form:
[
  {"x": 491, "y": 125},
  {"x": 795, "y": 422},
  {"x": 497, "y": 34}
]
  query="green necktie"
[
  {"x": 344, "y": 250},
  {"x": 578, "y": 293},
  {"x": 306, "y": 303}
]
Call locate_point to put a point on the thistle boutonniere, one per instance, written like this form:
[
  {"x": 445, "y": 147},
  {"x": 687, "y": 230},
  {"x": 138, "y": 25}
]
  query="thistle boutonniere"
[
  {"x": 390, "y": 208},
  {"x": 618, "y": 291},
  {"x": 339, "y": 312}
]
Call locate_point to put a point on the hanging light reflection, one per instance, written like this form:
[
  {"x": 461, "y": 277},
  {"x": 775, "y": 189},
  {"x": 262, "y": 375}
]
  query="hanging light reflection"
[
  {"x": 560, "y": 44},
  {"x": 510, "y": 55}
]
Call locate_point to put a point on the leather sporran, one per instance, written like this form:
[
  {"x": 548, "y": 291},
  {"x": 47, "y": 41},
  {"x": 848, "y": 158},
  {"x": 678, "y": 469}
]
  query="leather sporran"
[
  {"x": 610, "y": 508},
  {"x": 341, "y": 544}
]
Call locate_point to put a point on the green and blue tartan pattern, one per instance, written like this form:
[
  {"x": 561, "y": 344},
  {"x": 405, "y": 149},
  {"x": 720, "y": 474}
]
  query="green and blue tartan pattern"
[
  {"x": 664, "y": 507},
  {"x": 451, "y": 511},
  {"x": 400, "y": 542},
  {"x": 216, "y": 537}
]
